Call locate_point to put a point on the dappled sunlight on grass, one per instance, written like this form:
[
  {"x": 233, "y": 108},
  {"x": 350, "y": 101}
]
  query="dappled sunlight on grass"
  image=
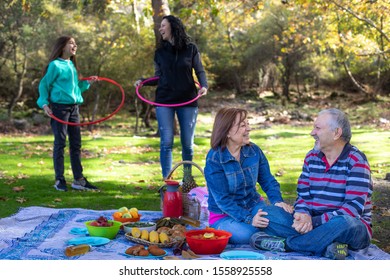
[{"x": 126, "y": 168}]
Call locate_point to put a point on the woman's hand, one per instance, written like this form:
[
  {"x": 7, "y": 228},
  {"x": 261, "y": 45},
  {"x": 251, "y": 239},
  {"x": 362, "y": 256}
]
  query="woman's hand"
[
  {"x": 259, "y": 221},
  {"x": 287, "y": 207},
  {"x": 93, "y": 79},
  {"x": 202, "y": 91},
  {"x": 47, "y": 110},
  {"x": 137, "y": 83}
]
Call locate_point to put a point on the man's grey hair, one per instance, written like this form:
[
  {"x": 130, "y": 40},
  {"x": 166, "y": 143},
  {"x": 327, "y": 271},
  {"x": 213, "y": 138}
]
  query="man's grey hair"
[{"x": 339, "y": 120}]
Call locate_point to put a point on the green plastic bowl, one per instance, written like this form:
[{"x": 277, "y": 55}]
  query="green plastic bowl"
[{"x": 107, "y": 232}]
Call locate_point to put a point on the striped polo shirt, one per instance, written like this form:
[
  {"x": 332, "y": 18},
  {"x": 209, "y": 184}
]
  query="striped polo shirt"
[{"x": 345, "y": 188}]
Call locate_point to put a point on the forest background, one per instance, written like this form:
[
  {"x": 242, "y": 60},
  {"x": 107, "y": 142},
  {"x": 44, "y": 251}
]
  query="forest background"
[{"x": 303, "y": 55}]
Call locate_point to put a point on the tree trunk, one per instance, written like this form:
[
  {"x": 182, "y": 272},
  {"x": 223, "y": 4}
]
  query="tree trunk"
[
  {"x": 160, "y": 9},
  {"x": 369, "y": 96},
  {"x": 286, "y": 78},
  {"x": 20, "y": 81}
]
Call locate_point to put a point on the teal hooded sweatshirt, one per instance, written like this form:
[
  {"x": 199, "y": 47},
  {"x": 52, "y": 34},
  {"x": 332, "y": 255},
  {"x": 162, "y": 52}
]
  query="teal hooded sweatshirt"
[{"x": 61, "y": 84}]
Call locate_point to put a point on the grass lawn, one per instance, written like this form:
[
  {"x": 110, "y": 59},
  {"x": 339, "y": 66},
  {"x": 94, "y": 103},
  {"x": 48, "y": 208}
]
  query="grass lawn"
[{"x": 126, "y": 167}]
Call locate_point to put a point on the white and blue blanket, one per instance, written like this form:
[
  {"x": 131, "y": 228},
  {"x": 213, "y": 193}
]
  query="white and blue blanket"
[{"x": 39, "y": 233}]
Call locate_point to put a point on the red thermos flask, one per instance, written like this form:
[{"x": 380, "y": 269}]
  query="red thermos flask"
[{"x": 172, "y": 201}]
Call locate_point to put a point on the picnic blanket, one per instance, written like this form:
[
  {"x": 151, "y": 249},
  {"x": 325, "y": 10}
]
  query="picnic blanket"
[{"x": 40, "y": 233}]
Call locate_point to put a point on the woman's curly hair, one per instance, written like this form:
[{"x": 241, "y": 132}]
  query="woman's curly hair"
[{"x": 180, "y": 37}]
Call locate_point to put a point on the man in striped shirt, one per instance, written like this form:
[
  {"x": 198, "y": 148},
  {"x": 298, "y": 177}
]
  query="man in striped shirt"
[{"x": 333, "y": 207}]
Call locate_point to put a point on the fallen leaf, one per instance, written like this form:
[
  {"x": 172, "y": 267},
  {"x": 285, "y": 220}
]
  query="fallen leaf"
[
  {"x": 18, "y": 189},
  {"x": 3, "y": 198},
  {"x": 22, "y": 176},
  {"x": 192, "y": 253},
  {"x": 21, "y": 199},
  {"x": 189, "y": 254},
  {"x": 386, "y": 213},
  {"x": 171, "y": 258},
  {"x": 20, "y": 164},
  {"x": 57, "y": 200}
]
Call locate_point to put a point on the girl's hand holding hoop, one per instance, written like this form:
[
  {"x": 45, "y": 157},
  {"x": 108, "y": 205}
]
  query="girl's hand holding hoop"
[
  {"x": 47, "y": 110},
  {"x": 89, "y": 79},
  {"x": 93, "y": 79}
]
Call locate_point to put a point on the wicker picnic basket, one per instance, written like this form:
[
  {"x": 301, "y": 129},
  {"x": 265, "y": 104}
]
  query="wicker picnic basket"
[
  {"x": 148, "y": 243},
  {"x": 190, "y": 178}
]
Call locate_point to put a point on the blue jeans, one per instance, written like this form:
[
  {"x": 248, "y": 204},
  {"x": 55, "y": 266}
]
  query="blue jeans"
[
  {"x": 68, "y": 113},
  {"x": 241, "y": 232},
  {"x": 344, "y": 229},
  {"x": 187, "y": 120}
]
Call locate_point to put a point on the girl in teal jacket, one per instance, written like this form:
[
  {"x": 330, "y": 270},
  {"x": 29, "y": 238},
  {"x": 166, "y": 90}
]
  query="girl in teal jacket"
[{"x": 60, "y": 95}]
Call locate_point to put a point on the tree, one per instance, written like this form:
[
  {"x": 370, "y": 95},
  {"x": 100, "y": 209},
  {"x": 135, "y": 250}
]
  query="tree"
[{"x": 358, "y": 38}]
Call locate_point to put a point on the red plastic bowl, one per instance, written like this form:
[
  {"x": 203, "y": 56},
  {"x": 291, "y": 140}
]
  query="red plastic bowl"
[{"x": 207, "y": 246}]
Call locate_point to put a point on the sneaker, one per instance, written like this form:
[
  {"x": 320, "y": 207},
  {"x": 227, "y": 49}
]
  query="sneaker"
[
  {"x": 83, "y": 184},
  {"x": 60, "y": 185},
  {"x": 261, "y": 240},
  {"x": 336, "y": 251}
]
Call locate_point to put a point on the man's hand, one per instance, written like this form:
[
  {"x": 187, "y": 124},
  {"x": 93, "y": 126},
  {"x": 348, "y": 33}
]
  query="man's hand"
[
  {"x": 302, "y": 223},
  {"x": 259, "y": 221}
]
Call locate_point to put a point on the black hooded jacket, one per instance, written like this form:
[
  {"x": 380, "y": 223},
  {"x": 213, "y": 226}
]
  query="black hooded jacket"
[{"x": 175, "y": 70}]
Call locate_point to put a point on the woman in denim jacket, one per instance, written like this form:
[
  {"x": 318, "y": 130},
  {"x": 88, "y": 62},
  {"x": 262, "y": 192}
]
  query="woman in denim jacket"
[{"x": 233, "y": 167}]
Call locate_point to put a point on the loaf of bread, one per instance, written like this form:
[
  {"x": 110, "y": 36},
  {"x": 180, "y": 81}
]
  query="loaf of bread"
[{"x": 155, "y": 250}]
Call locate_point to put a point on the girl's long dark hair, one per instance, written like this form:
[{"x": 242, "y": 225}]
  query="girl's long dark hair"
[
  {"x": 57, "y": 50},
  {"x": 180, "y": 37}
]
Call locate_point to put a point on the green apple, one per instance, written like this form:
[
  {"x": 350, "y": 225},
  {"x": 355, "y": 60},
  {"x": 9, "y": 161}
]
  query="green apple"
[
  {"x": 123, "y": 210},
  {"x": 126, "y": 215}
]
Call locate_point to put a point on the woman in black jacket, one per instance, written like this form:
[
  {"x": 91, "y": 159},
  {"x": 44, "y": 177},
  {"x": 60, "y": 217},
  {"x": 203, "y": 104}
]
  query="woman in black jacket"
[{"x": 174, "y": 61}]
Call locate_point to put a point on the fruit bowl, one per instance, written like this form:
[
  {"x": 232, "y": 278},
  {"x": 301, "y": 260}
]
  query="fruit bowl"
[
  {"x": 108, "y": 232},
  {"x": 149, "y": 226},
  {"x": 126, "y": 220},
  {"x": 214, "y": 242}
]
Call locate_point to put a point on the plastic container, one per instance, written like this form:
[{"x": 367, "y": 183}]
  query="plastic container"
[
  {"x": 149, "y": 226},
  {"x": 193, "y": 208},
  {"x": 108, "y": 232},
  {"x": 77, "y": 250},
  {"x": 208, "y": 246},
  {"x": 204, "y": 211}
]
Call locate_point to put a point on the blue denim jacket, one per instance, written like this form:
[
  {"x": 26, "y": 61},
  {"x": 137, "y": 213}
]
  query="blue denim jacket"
[{"x": 232, "y": 184}]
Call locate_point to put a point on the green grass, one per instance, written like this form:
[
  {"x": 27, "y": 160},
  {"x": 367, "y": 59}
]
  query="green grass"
[{"x": 126, "y": 167}]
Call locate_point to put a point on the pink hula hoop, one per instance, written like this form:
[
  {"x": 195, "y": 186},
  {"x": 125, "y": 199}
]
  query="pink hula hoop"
[
  {"x": 162, "y": 104},
  {"x": 102, "y": 119}
]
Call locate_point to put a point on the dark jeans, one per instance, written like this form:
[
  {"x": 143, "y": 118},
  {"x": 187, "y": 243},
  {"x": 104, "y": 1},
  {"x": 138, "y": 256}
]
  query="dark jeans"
[{"x": 68, "y": 113}]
